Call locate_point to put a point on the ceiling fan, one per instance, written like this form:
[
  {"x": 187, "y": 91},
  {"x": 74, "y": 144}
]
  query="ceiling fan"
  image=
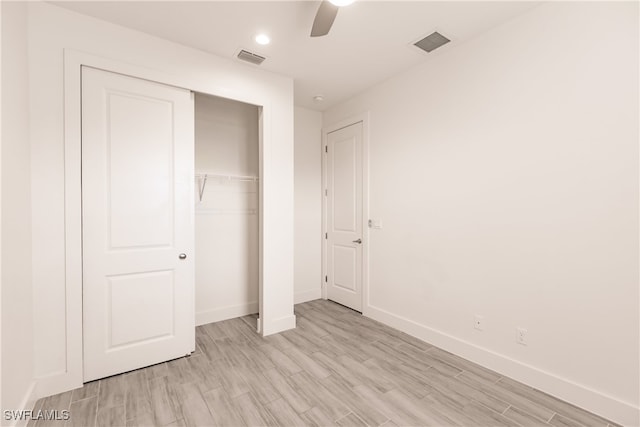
[{"x": 325, "y": 16}]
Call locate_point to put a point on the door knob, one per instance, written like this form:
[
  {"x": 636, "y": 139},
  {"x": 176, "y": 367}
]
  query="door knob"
[
  {"x": 182, "y": 256},
  {"x": 358, "y": 241}
]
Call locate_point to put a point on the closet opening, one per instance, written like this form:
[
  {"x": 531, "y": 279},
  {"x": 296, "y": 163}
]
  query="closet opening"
[{"x": 227, "y": 210}]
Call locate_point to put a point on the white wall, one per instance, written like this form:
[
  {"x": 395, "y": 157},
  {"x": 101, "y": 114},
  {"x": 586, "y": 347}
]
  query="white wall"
[
  {"x": 308, "y": 204},
  {"x": 505, "y": 173},
  {"x": 226, "y": 223},
  {"x": 53, "y": 29},
  {"x": 17, "y": 305}
]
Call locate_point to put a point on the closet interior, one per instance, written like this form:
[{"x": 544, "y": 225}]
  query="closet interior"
[{"x": 226, "y": 208}]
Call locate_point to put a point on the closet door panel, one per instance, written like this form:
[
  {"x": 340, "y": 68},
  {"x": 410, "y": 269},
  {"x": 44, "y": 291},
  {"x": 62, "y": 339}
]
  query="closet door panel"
[{"x": 137, "y": 197}]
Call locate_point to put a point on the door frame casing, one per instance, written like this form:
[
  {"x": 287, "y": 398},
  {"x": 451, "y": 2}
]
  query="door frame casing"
[
  {"x": 326, "y": 130},
  {"x": 72, "y": 377}
]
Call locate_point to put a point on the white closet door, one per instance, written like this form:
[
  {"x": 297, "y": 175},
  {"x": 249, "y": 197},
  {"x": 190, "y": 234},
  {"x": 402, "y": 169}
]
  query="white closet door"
[{"x": 137, "y": 201}]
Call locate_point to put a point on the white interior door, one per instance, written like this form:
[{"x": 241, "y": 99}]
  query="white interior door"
[
  {"x": 137, "y": 202},
  {"x": 344, "y": 216}
]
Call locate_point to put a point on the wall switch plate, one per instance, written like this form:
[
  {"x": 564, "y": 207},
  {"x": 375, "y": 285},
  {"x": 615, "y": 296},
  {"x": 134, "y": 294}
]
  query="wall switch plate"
[
  {"x": 375, "y": 223},
  {"x": 521, "y": 336},
  {"x": 478, "y": 322}
]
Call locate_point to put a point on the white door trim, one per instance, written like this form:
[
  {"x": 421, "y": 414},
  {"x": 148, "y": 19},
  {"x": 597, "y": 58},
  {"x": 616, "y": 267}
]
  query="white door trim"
[
  {"x": 72, "y": 376},
  {"x": 326, "y": 130}
]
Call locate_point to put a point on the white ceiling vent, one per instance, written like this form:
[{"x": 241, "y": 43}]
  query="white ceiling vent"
[
  {"x": 251, "y": 57},
  {"x": 432, "y": 42}
]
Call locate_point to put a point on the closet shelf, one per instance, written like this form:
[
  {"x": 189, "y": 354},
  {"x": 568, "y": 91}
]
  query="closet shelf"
[{"x": 202, "y": 178}]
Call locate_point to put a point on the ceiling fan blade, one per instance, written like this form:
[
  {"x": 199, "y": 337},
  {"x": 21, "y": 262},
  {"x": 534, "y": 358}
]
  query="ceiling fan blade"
[{"x": 324, "y": 19}]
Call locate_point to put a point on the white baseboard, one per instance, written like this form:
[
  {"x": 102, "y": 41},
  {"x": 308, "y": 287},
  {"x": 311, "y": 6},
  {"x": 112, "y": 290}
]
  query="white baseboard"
[
  {"x": 305, "y": 296},
  {"x": 26, "y": 404},
  {"x": 57, "y": 382},
  {"x": 606, "y": 406},
  {"x": 225, "y": 313},
  {"x": 274, "y": 326}
]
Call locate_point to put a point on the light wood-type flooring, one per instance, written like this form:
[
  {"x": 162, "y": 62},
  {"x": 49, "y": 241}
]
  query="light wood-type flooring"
[{"x": 336, "y": 368}]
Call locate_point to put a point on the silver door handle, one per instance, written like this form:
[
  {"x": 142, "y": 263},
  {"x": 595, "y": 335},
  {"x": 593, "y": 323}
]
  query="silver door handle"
[
  {"x": 358, "y": 241},
  {"x": 182, "y": 256}
]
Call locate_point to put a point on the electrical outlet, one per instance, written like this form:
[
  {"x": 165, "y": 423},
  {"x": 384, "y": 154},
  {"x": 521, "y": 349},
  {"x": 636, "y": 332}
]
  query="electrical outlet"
[
  {"x": 478, "y": 322},
  {"x": 521, "y": 336}
]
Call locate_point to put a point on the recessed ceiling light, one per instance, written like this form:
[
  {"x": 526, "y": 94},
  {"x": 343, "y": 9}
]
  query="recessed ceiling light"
[
  {"x": 262, "y": 39},
  {"x": 341, "y": 2}
]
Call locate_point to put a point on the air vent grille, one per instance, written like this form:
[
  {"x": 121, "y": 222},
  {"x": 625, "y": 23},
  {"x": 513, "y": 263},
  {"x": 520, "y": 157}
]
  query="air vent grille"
[
  {"x": 251, "y": 57},
  {"x": 432, "y": 42}
]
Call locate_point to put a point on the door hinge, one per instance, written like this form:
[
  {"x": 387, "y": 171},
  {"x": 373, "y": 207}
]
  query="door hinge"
[
  {"x": 326, "y": 278},
  {"x": 326, "y": 235},
  {"x": 326, "y": 148},
  {"x": 326, "y": 193}
]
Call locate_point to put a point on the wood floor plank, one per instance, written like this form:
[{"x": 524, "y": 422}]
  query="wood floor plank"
[
  {"x": 222, "y": 409},
  {"x": 89, "y": 389},
  {"x": 378, "y": 400},
  {"x": 317, "y": 395},
  {"x": 461, "y": 392},
  {"x": 256, "y": 357},
  {"x": 231, "y": 378},
  {"x": 402, "y": 377},
  {"x": 137, "y": 395},
  {"x": 563, "y": 408},
  {"x": 307, "y": 363},
  {"x": 164, "y": 405},
  {"x": 207, "y": 377},
  {"x": 36, "y": 408},
  {"x": 408, "y": 411},
  {"x": 366, "y": 375},
  {"x": 215, "y": 330},
  {"x": 351, "y": 420},
  {"x": 523, "y": 418},
  {"x": 486, "y": 416},
  {"x": 310, "y": 328},
  {"x": 229, "y": 348},
  {"x": 283, "y": 413},
  {"x": 208, "y": 346},
  {"x": 156, "y": 371},
  {"x": 559, "y": 421},
  {"x": 193, "y": 408},
  {"x": 325, "y": 345},
  {"x": 300, "y": 341},
  {"x": 59, "y": 402},
  {"x": 333, "y": 365},
  {"x": 142, "y": 420},
  {"x": 112, "y": 392},
  {"x": 286, "y": 389},
  {"x": 260, "y": 388},
  {"x": 450, "y": 413},
  {"x": 82, "y": 413},
  {"x": 500, "y": 393},
  {"x": 464, "y": 365},
  {"x": 315, "y": 417},
  {"x": 280, "y": 360},
  {"x": 252, "y": 412},
  {"x": 180, "y": 371},
  {"x": 341, "y": 389},
  {"x": 110, "y": 417}
]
